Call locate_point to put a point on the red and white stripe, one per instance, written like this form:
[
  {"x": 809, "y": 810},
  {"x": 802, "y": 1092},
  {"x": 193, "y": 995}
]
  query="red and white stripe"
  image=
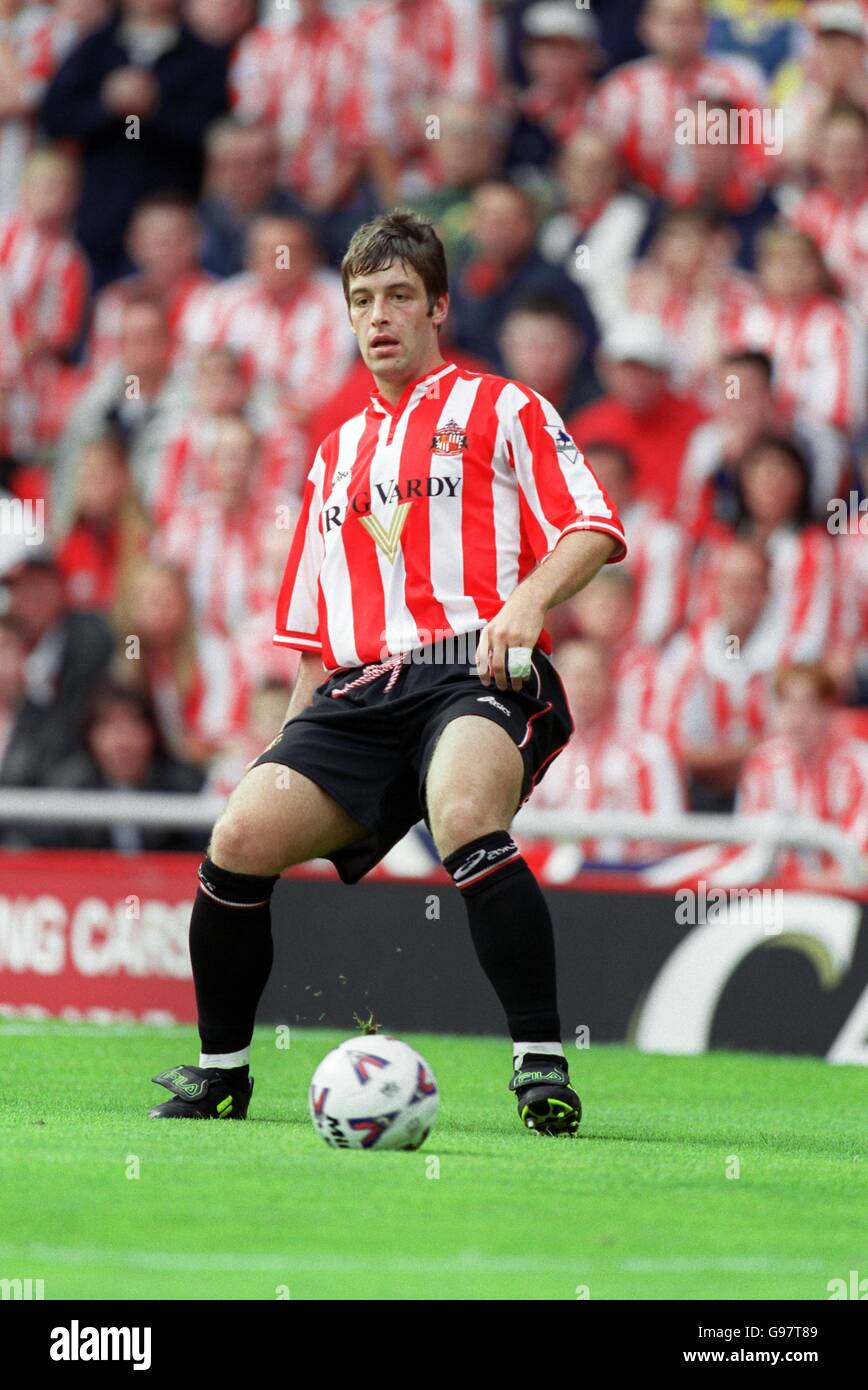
[
  {"x": 220, "y": 553},
  {"x": 408, "y": 60},
  {"x": 304, "y": 346},
  {"x": 832, "y": 787},
  {"x": 46, "y": 280},
  {"x": 610, "y": 770},
  {"x": 214, "y": 706},
  {"x": 818, "y": 351},
  {"x": 27, "y": 48},
  {"x": 705, "y": 695},
  {"x": 108, "y": 312},
  {"x": 298, "y": 81},
  {"x": 660, "y": 565},
  {"x": 466, "y": 523},
  {"x": 638, "y": 104},
  {"x": 841, "y": 231}
]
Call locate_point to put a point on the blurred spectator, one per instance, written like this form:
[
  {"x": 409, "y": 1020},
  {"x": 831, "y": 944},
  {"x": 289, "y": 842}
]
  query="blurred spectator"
[
  {"x": 138, "y": 95},
  {"x": 135, "y": 396},
  {"x": 605, "y": 612},
  {"x": 193, "y": 677},
  {"x": 469, "y": 152},
  {"x": 296, "y": 82},
  {"x": 816, "y": 343},
  {"x": 66, "y": 652},
  {"x": 44, "y": 271},
  {"x": 506, "y": 267},
  {"x": 240, "y": 184},
  {"x": 18, "y": 764},
  {"x": 163, "y": 242},
  {"x": 109, "y": 528},
  {"x": 446, "y": 49},
  {"x": 688, "y": 281},
  {"x": 266, "y": 719},
  {"x": 597, "y": 233},
  {"x": 727, "y": 179},
  {"x": 638, "y": 104},
  {"x": 285, "y": 311},
  {"x": 541, "y": 346},
  {"x": 222, "y": 386},
  {"x": 810, "y": 614},
  {"x": 808, "y": 768},
  {"x": 221, "y": 23},
  {"x": 561, "y": 53},
  {"x": 659, "y": 554},
  {"x": 714, "y": 680},
  {"x": 123, "y": 751},
  {"x": 604, "y": 767},
  {"x": 833, "y": 70},
  {"x": 745, "y": 408},
  {"x": 216, "y": 539},
  {"x": 26, "y": 60},
  {"x": 72, "y": 20},
  {"x": 640, "y": 411},
  {"x": 834, "y": 213}
]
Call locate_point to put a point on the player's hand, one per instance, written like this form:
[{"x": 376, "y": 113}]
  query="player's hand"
[{"x": 518, "y": 624}]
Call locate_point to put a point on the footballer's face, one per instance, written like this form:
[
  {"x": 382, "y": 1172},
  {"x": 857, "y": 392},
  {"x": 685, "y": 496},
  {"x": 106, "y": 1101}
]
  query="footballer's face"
[{"x": 397, "y": 332}]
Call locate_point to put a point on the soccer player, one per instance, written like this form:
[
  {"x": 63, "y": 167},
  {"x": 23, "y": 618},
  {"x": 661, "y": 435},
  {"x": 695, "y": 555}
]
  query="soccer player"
[{"x": 437, "y": 528}]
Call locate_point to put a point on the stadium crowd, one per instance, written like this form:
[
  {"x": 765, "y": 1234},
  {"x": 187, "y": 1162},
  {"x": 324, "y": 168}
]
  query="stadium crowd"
[{"x": 178, "y": 180}]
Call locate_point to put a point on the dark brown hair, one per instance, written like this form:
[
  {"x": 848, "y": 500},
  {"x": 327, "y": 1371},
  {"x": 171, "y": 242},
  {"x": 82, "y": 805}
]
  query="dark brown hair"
[{"x": 403, "y": 236}]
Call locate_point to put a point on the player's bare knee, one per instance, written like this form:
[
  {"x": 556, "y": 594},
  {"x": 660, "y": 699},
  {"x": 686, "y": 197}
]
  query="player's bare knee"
[
  {"x": 236, "y": 846},
  {"x": 455, "y": 822}
]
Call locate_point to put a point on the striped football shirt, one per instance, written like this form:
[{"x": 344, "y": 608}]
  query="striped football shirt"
[{"x": 418, "y": 520}]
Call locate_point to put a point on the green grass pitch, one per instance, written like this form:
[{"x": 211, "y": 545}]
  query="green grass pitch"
[{"x": 640, "y": 1207}]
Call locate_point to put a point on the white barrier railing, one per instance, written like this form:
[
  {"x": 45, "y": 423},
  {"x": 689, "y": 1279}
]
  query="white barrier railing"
[{"x": 194, "y": 812}]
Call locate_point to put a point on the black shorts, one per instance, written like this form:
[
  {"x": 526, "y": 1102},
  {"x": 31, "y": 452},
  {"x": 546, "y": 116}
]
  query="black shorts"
[{"x": 370, "y": 748}]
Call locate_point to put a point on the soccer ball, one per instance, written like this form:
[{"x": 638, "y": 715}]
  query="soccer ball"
[{"x": 373, "y": 1092}]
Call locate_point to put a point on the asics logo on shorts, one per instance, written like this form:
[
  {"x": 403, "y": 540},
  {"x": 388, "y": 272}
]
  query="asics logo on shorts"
[{"x": 490, "y": 700}]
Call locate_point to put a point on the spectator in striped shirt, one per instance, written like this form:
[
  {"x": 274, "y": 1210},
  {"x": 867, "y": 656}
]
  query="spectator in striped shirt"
[
  {"x": 812, "y": 616},
  {"x": 816, "y": 343},
  {"x": 192, "y": 675},
  {"x": 638, "y": 104},
  {"x": 605, "y": 612},
  {"x": 809, "y": 767},
  {"x": 164, "y": 245},
  {"x": 26, "y": 61},
  {"x": 834, "y": 213},
  {"x": 714, "y": 681},
  {"x": 216, "y": 539},
  {"x": 285, "y": 313},
  {"x": 833, "y": 70},
  {"x": 607, "y": 766}
]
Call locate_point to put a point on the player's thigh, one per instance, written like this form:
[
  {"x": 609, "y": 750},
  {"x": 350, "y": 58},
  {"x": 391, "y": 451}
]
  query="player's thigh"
[
  {"x": 277, "y": 817},
  {"x": 474, "y": 781}
]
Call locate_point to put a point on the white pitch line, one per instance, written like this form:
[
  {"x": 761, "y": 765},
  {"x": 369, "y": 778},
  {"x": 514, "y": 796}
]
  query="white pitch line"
[{"x": 470, "y": 1261}]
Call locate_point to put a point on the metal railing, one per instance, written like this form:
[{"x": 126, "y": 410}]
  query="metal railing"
[{"x": 771, "y": 833}]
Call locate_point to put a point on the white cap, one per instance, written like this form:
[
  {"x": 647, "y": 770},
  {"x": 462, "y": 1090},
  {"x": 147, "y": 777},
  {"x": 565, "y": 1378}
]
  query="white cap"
[
  {"x": 638, "y": 338},
  {"x": 557, "y": 19},
  {"x": 839, "y": 17}
]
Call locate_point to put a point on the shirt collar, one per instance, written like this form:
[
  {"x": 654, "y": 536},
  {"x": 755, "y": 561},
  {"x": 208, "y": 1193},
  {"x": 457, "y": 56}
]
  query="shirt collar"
[{"x": 414, "y": 389}]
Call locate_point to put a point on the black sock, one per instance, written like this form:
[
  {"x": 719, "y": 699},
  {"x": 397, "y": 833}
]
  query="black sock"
[
  {"x": 511, "y": 929},
  {"x": 232, "y": 952}
]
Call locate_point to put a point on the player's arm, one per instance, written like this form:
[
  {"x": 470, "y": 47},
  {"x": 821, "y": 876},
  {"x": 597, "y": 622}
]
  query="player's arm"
[{"x": 571, "y": 565}]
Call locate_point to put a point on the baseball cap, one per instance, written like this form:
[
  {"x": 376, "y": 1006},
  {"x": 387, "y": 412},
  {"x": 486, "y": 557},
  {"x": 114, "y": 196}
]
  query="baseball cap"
[
  {"x": 839, "y": 17},
  {"x": 552, "y": 19},
  {"x": 638, "y": 338}
]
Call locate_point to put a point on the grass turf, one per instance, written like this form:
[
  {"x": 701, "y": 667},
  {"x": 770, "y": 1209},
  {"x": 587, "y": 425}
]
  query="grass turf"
[{"x": 640, "y": 1207}]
